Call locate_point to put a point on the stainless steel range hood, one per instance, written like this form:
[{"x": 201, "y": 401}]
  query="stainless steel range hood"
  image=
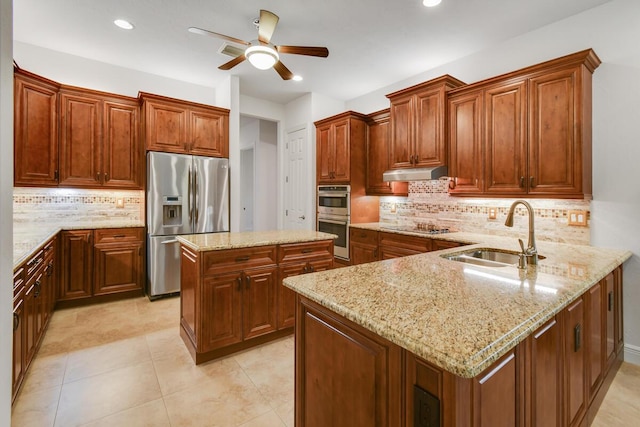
[{"x": 416, "y": 174}]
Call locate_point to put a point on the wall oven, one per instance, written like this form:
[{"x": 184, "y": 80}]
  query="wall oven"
[{"x": 334, "y": 211}]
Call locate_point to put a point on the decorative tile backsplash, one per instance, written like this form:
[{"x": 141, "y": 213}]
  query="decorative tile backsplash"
[
  {"x": 429, "y": 202},
  {"x": 65, "y": 204}
]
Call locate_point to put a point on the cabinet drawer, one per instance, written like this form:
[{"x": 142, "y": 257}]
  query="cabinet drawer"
[
  {"x": 18, "y": 280},
  {"x": 34, "y": 263},
  {"x": 410, "y": 243},
  {"x": 359, "y": 235},
  {"x": 118, "y": 235},
  {"x": 436, "y": 244},
  {"x": 238, "y": 259},
  {"x": 300, "y": 251}
]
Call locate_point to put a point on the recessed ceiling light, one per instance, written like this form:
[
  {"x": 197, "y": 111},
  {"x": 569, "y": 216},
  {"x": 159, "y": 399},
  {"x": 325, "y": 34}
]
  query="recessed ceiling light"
[
  {"x": 431, "y": 3},
  {"x": 124, "y": 24},
  {"x": 297, "y": 78}
]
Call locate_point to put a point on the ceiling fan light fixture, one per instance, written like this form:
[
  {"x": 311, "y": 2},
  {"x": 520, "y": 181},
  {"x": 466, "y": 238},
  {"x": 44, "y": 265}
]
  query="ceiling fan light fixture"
[
  {"x": 124, "y": 24},
  {"x": 262, "y": 57},
  {"x": 431, "y": 3}
]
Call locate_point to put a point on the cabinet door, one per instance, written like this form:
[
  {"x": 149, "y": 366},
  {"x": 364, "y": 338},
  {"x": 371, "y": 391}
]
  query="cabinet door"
[
  {"x": 360, "y": 253},
  {"x": 80, "y": 140},
  {"x": 36, "y": 133},
  {"x": 76, "y": 275},
  {"x": 574, "y": 363},
  {"x": 118, "y": 268},
  {"x": 165, "y": 127},
  {"x": 345, "y": 375},
  {"x": 595, "y": 341},
  {"x": 325, "y": 154},
  {"x": 505, "y": 139},
  {"x": 208, "y": 134},
  {"x": 546, "y": 375},
  {"x": 465, "y": 143},
  {"x": 437, "y": 244},
  {"x": 401, "y": 147},
  {"x": 19, "y": 331},
  {"x": 30, "y": 320},
  {"x": 122, "y": 151},
  {"x": 555, "y": 159},
  {"x": 429, "y": 145},
  {"x": 610, "y": 320},
  {"x": 220, "y": 311},
  {"x": 259, "y": 302},
  {"x": 342, "y": 151},
  {"x": 618, "y": 312}
]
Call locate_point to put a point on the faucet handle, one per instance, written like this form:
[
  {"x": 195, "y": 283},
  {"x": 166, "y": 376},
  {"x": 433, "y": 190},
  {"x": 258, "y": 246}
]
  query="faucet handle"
[{"x": 521, "y": 245}]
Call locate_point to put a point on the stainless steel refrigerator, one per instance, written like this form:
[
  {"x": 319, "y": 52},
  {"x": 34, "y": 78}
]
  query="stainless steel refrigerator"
[{"x": 185, "y": 195}]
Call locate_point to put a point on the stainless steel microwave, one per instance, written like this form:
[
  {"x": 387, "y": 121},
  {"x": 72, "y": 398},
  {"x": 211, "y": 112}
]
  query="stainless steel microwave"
[{"x": 334, "y": 200}]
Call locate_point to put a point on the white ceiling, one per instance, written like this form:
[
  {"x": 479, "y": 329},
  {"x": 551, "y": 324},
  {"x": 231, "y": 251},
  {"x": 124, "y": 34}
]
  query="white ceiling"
[{"x": 372, "y": 43}]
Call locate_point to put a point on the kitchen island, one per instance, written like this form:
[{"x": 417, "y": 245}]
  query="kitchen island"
[
  {"x": 231, "y": 293},
  {"x": 425, "y": 336}
]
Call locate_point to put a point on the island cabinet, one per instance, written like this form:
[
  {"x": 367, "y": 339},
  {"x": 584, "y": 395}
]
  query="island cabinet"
[
  {"x": 232, "y": 298},
  {"x": 378, "y": 146},
  {"x": 99, "y": 143},
  {"x": 100, "y": 265},
  {"x": 340, "y": 149},
  {"x": 557, "y": 376},
  {"x": 34, "y": 284},
  {"x": 526, "y": 133},
  {"x": 177, "y": 126},
  {"x": 35, "y": 130},
  {"x": 418, "y": 117}
]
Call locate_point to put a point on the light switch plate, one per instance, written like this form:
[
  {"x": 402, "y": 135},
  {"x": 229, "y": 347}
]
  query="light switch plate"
[
  {"x": 492, "y": 213},
  {"x": 119, "y": 203}
]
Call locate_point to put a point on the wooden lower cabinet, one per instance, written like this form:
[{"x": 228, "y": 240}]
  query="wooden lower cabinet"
[
  {"x": 393, "y": 245},
  {"x": 363, "y": 246},
  {"x": 101, "y": 263},
  {"x": 347, "y": 375},
  {"x": 19, "y": 332},
  {"x": 234, "y": 299}
]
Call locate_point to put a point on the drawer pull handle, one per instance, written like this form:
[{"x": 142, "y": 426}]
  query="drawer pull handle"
[
  {"x": 577, "y": 339},
  {"x": 119, "y": 236},
  {"x": 16, "y": 321},
  {"x": 610, "y": 301},
  {"x": 306, "y": 251},
  {"x": 242, "y": 258}
]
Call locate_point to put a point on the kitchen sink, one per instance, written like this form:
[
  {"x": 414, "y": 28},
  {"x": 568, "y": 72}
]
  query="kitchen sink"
[{"x": 486, "y": 257}]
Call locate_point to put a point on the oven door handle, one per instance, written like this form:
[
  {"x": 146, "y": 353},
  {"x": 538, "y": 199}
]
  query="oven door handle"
[
  {"x": 338, "y": 195},
  {"x": 331, "y": 221}
]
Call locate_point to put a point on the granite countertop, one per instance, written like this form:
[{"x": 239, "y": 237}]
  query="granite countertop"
[
  {"x": 459, "y": 316},
  {"x": 29, "y": 237},
  {"x": 245, "y": 239}
]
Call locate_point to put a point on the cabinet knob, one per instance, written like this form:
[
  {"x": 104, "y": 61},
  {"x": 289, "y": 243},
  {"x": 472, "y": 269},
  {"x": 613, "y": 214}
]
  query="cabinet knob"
[
  {"x": 531, "y": 184},
  {"x": 239, "y": 280},
  {"x": 522, "y": 182},
  {"x": 247, "y": 281},
  {"x": 106, "y": 177}
]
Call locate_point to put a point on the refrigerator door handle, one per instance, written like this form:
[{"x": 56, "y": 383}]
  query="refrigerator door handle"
[
  {"x": 168, "y": 242},
  {"x": 196, "y": 198},
  {"x": 189, "y": 198}
]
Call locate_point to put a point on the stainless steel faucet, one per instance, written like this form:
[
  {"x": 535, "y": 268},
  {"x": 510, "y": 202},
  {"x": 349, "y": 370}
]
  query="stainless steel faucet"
[{"x": 531, "y": 252}]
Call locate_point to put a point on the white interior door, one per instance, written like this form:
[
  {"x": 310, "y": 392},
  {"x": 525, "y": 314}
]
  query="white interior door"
[
  {"x": 296, "y": 188},
  {"x": 246, "y": 188}
]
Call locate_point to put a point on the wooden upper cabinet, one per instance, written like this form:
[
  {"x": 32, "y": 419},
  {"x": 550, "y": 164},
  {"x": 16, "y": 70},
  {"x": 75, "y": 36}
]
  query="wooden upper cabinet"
[
  {"x": 378, "y": 146},
  {"x": 99, "y": 143},
  {"x": 176, "y": 126},
  {"x": 465, "y": 143},
  {"x": 80, "y": 139},
  {"x": 535, "y": 131},
  {"x": 418, "y": 130},
  {"x": 340, "y": 149},
  {"x": 505, "y": 139},
  {"x": 35, "y": 130}
]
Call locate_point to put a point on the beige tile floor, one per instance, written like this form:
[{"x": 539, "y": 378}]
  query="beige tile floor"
[{"x": 124, "y": 364}]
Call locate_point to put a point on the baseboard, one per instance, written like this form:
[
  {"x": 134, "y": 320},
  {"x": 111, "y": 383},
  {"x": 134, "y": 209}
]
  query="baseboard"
[{"x": 632, "y": 354}]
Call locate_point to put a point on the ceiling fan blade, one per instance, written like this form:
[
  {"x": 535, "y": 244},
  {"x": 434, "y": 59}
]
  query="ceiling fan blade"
[
  {"x": 304, "y": 50},
  {"x": 235, "y": 61},
  {"x": 284, "y": 72},
  {"x": 200, "y": 31},
  {"x": 267, "y": 25}
]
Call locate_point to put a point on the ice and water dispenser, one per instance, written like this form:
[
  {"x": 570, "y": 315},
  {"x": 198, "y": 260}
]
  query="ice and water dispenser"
[{"x": 172, "y": 210}]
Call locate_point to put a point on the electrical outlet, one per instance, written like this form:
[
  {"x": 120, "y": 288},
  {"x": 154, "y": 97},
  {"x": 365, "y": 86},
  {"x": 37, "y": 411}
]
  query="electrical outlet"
[
  {"x": 393, "y": 208},
  {"x": 577, "y": 270},
  {"x": 119, "y": 203},
  {"x": 577, "y": 218},
  {"x": 492, "y": 213}
]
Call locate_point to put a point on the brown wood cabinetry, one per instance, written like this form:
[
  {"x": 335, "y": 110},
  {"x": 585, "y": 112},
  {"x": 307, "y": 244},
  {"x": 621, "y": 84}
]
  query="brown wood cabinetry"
[
  {"x": 378, "y": 146},
  {"x": 177, "y": 126},
  {"x": 418, "y": 131},
  {"x": 35, "y": 130},
  {"x": 99, "y": 143},
  {"x": 340, "y": 142},
  {"x": 363, "y": 245},
  {"x": 364, "y": 387},
  {"x": 575, "y": 380},
  {"x": 437, "y": 244},
  {"x": 99, "y": 263},
  {"x": 19, "y": 332},
  {"x": 393, "y": 245},
  {"x": 525, "y": 133}
]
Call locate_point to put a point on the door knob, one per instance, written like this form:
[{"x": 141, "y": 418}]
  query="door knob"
[{"x": 302, "y": 217}]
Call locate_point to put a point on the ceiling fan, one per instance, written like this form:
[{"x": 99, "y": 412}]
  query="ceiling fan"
[{"x": 261, "y": 52}]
